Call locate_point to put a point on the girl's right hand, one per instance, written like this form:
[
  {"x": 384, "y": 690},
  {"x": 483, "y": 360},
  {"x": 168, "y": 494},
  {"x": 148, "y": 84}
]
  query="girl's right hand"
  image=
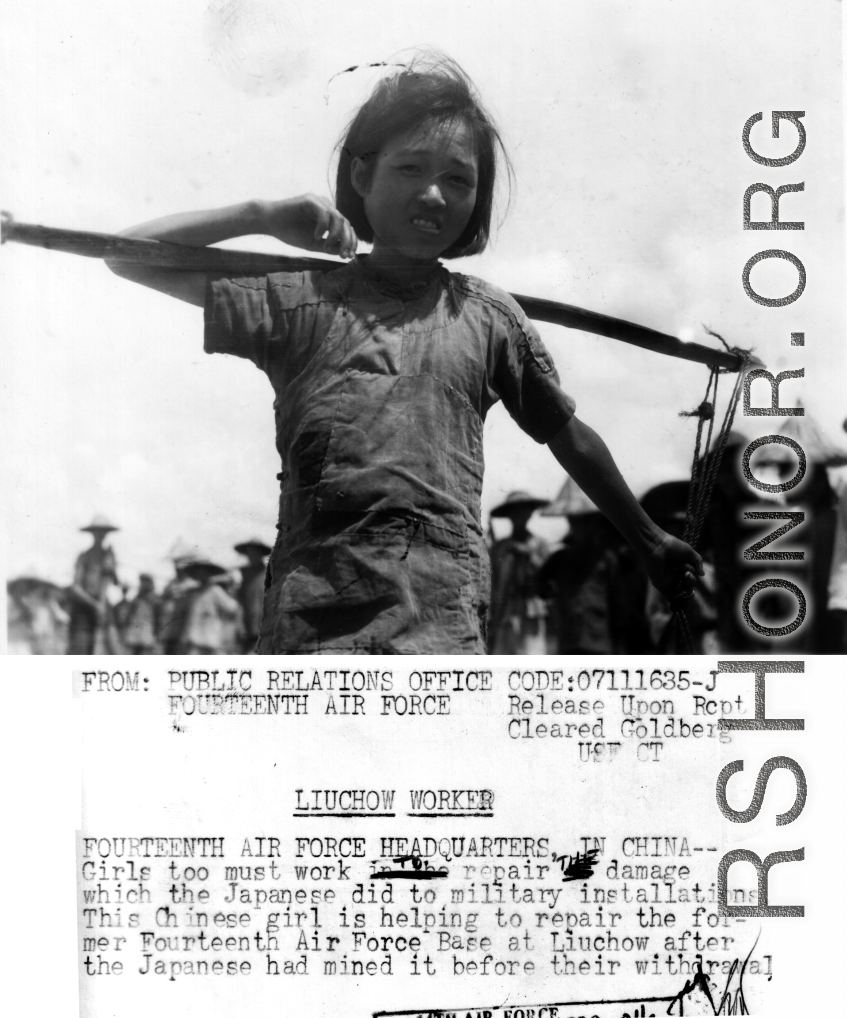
[{"x": 309, "y": 222}]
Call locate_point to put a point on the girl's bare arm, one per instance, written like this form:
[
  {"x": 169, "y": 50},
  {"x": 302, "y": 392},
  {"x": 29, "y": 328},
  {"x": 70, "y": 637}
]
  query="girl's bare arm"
[
  {"x": 308, "y": 222},
  {"x": 670, "y": 563}
]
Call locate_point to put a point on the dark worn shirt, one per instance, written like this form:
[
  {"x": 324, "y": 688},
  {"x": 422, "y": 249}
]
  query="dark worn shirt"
[
  {"x": 96, "y": 569},
  {"x": 381, "y": 393},
  {"x": 517, "y": 619}
]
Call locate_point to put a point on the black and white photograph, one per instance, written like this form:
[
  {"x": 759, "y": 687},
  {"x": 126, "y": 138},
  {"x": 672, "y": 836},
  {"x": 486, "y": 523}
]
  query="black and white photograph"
[
  {"x": 464, "y": 382},
  {"x": 666, "y": 232}
]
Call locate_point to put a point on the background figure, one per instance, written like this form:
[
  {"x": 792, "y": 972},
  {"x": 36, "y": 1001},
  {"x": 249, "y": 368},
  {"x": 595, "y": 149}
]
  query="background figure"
[
  {"x": 820, "y": 496},
  {"x": 174, "y": 603},
  {"x": 836, "y": 616},
  {"x": 141, "y": 627},
  {"x": 251, "y": 592},
  {"x": 211, "y": 613},
  {"x": 725, "y": 535},
  {"x": 37, "y": 619},
  {"x": 120, "y": 613},
  {"x": 517, "y": 622},
  {"x": 595, "y": 584},
  {"x": 232, "y": 625},
  {"x": 666, "y": 505},
  {"x": 91, "y": 627}
]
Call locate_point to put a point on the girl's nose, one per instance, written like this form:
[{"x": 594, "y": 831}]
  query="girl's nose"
[{"x": 432, "y": 196}]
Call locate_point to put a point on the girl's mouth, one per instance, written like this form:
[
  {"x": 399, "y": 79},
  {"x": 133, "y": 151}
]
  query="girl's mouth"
[{"x": 427, "y": 225}]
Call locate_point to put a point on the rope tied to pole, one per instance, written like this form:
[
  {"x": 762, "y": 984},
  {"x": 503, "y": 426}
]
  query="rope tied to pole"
[{"x": 705, "y": 464}]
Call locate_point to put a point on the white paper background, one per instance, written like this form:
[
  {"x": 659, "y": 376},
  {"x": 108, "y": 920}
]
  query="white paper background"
[{"x": 236, "y": 775}]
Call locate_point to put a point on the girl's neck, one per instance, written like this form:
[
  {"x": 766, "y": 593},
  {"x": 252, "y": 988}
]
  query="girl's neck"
[{"x": 399, "y": 269}]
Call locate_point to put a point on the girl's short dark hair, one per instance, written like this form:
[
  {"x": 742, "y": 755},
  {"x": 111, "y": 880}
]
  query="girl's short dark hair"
[{"x": 433, "y": 89}]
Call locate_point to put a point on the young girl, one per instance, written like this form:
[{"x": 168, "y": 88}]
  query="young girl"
[{"x": 383, "y": 371}]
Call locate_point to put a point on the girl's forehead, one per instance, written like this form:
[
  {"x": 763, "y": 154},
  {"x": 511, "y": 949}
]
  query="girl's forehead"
[{"x": 451, "y": 139}]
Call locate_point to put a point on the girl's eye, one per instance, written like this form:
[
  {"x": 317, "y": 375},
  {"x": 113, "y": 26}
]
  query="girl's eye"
[
  {"x": 409, "y": 168},
  {"x": 461, "y": 180}
]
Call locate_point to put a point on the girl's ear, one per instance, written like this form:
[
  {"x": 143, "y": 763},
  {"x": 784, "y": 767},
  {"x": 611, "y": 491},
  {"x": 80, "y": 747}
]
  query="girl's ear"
[{"x": 359, "y": 176}]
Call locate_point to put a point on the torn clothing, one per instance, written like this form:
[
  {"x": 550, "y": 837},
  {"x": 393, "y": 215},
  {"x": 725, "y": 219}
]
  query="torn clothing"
[{"x": 381, "y": 393}]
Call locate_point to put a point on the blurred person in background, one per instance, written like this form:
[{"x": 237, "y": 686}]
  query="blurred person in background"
[
  {"x": 36, "y": 616},
  {"x": 91, "y": 628},
  {"x": 821, "y": 572},
  {"x": 232, "y": 626},
  {"x": 666, "y": 505},
  {"x": 141, "y": 627},
  {"x": 211, "y": 613},
  {"x": 595, "y": 583},
  {"x": 517, "y": 621},
  {"x": 836, "y": 616},
  {"x": 251, "y": 591},
  {"x": 174, "y": 601}
]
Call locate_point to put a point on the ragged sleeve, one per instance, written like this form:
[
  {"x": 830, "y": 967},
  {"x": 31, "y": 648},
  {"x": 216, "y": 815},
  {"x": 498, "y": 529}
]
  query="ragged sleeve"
[
  {"x": 239, "y": 318},
  {"x": 524, "y": 375}
]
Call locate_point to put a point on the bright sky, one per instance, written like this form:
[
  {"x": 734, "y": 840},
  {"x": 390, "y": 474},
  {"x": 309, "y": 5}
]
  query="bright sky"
[{"x": 624, "y": 124}]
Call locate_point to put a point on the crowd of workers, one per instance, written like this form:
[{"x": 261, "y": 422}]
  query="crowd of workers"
[
  {"x": 204, "y": 609},
  {"x": 588, "y": 595},
  {"x": 591, "y": 595}
]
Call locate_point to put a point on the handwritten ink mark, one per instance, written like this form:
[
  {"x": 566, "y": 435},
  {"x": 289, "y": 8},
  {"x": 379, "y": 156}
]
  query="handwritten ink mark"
[
  {"x": 421, "y": 869},
  {"x": 732, "y": 1000},
  {"x": 579, "y": 866}
]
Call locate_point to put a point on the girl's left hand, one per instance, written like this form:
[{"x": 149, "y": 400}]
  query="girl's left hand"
[
  {"x": 309, "y": 222},
  {"x": 673, "y": 566}
]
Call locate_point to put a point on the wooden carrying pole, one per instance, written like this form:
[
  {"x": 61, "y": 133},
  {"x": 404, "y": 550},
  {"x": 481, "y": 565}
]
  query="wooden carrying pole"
[{"x": 245, "y": 263}]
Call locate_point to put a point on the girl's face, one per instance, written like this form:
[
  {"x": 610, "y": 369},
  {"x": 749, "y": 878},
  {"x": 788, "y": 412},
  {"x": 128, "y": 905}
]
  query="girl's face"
[{"x": 421, "y": 191}]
